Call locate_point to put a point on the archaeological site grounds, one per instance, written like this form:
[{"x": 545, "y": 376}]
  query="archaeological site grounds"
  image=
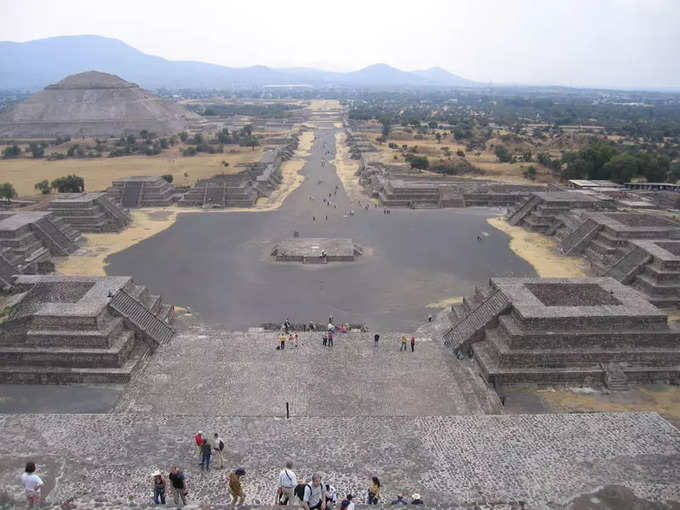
[{"x": 145, "y": 286}]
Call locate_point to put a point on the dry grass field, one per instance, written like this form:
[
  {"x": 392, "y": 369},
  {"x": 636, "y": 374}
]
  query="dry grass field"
[{"x": 98, "y": 173}]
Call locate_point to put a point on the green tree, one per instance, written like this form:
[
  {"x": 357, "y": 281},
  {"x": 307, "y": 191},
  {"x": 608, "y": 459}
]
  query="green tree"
[
  {"x": 69, "y": 184},
  {"x": 530, "y": 173},
  {"x": 503, "y": 154},
  {"x": 386, "y": 126},
  {"x": 653, "y": 167},
  {"x": 420, "y": 162},
  {"x": 183, "y": 136},
  {"x": 7, "y": 191},
  {"x": 168, "y": 177},
  {"x": 12, "y": 151},
  {"x": 622, "y": 168},
  {"x": 36, "y": 149},
  {"x": 42, "y": 186}
]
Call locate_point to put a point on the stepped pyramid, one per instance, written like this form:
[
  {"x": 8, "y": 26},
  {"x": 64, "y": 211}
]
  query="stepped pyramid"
[{"x": 93, "y": 104}]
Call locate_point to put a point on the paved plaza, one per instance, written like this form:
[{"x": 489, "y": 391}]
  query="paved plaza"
[{"x": 539, "y": 459}]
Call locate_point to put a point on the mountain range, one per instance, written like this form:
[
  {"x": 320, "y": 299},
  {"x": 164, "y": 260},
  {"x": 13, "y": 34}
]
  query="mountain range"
[{"x": 35, "y": 64}]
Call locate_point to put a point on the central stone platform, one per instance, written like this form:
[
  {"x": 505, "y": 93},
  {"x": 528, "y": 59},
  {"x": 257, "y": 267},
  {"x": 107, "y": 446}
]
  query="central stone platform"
[
  {"x": 543, "y": 460},
  {"x": 315, "y": 250}
]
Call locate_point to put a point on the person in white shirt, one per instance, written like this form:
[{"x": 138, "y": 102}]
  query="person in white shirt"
[
  {"x": 287, "y": 483},
  {"x": 32, "y": 484}
]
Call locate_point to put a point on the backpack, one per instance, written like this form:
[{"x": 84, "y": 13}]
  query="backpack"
[
  {"x": 221, "y": 445},
  {"x": 299, "y": 491}
]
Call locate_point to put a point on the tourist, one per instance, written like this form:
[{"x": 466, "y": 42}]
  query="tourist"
[
  {"x": 376, "y": 337},
  {"x": 159, "y": 488},
  {"x": 199, "y": 441},
  {"x": 206, "y": 453},
  {"x": 299, "y": 491},
  {"x": 403, "y": 343},
  {"x": 235, "y": 488},
  {"x": 282, "y": 340},
  {"x": 346, "y": 503},
  {"x": 429, "y": 318},
  {"x": 416, "y": 499},
  {"x": 287, "y": 483},
  {"x": 315, "y": 494},
  {"x": 331, "y": 327},
  {"x": 400, "y": 500},
  {"x": 331, "y": 495},
  {"x": 218, "y": 449},
  {"x": 291, "y": 340},
  {"x": 374, "y": 491},
  {"x": 179, "y": 486},
  {"x": 295, "y": 340},
  {"x": 32, "y": 484},
  {"x": 330, "y": 338},
  {"x": 413, "y": 343}
]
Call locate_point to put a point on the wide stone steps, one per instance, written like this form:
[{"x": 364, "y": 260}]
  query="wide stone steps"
[
  {"x": 131, "y": 195},
  {"x": 57, "y": 242},
  {"x": 575, "y": 241},
  {"x": 466, "y": 329},
  {"x": 96, "y": 338},
  {"x": 525, "y": 208},
  {"x": 627, "y": 267},
  {"x": 7, "y": 271},
  {"x": 141, "y": 317}
]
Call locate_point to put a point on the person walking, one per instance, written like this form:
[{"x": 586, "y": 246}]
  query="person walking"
[
  {"x": 376, "y": 337},
  {"x": 206, "y": 453},
  {"x": 299, "y": 492},
  {"x": 235, "y": 487},
  {"x": 179, "y": 487},
  {"x": 413, "y": 343},
  {"x": 218, "y": 450},
  {"x": 199, "y": 441},
  {"x": 315, "y": 494},
  {"x": 32, "y": 485},
  {"x": 330, "y": 338},
  {"x": 287, "y": 483},
  {"x": 159, "y": 488},
  {"x": 374, "y": 491},
  {"x": 403, "y": 343},
  {"x": 282, "y": 339}
]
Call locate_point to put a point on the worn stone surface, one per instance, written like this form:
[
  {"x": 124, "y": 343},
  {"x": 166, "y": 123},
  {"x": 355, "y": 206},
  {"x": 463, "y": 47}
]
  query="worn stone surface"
[{"x": 541, "y": 459}]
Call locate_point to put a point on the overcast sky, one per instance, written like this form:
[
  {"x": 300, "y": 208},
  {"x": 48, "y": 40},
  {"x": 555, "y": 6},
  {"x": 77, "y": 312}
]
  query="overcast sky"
[{"x": 615, "y": 43}]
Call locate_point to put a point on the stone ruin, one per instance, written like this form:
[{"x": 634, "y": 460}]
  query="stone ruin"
[
  {"x": 141, "y": 191},
  {"x": 60, "y": 329},
  {"x": 90, "y": 212},
  {"x": 358, "y": 144},
  {"x": 315, "y": 250},
  {"x": 28, "y": 241},
  {"x": 244, "y": 188},
  {"x": 571, "y": 330}
]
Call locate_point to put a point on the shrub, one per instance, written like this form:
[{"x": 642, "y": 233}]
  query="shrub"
[
  {"x": 168, "y": 177},
  {"x": 7, "y": 191},
  {"x": 69, "y": 184},
  {"x": 43, "y": 186}
]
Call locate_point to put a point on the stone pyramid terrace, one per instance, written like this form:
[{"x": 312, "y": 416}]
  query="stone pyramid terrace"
[
  {"x": 141, "y": 191},
  {"x": 90, "y": 212},
  {"x": 576, "y": 331},
  {"x": 59, "y": 329}
]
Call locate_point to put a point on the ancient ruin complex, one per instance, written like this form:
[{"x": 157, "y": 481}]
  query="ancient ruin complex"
[
  {"x": 316, "y": 250},
  {"x": 142, "y": 191},
  {"x": 90, "y": 212}
]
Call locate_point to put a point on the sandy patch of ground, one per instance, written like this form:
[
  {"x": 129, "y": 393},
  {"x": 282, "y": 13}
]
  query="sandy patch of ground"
[
  {"x": 445, "y": 303},
  {"x": 539, "y": 251},
  {"x": 98, "y": 173},
  {"x": 346, "y": 168},
  {"x": 324, "y": 104},
  {"x": 662, "y": 399},
  {"x": 150, "y": 221}
]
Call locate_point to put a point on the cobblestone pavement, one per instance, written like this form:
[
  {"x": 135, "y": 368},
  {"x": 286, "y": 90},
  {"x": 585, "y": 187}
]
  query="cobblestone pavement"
[
  {"x": 545, "y": 460},
  {"x": 214, "y": 372}
]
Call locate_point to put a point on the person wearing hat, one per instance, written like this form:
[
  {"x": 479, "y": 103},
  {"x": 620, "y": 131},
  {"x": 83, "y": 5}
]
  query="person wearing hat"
[
  {"x": 416, "y": 499},
  {"x": 400, "y": 500},
  {"x": 235, "y": 488},
  {"x": 159, "y": 488}
]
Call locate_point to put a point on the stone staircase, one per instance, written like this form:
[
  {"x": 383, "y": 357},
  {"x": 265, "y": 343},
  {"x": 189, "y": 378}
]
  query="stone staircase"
[
  {"x": 523, "y": 210},
  {"x": 629, "y": 266},
  {"x": 615, "y": 378},
  {"x": 132, "y": 194},
  {"x": 7, "y": 270},
  {"x": 119, "y": 216},
  {"x": 57, "y": 241},
  {"x": 141, "y": 316},
  {"x": 575, "y": 242},
  {"x": 467, "y": 329}
]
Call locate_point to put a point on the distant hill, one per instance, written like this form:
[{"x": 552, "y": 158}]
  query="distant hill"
[{"x": 36, "y": 64}]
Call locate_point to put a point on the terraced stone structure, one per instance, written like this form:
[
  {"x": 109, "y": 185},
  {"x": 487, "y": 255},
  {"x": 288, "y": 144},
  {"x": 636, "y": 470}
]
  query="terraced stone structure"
[
  {"x": 576, "y": 331},
  {"x": 244, "y": 188},
  {"x": 141, "y": 191},
  {"x": 605, "y": 237},
  {"x": 314, "y": 250},
  {"x": 60, "y": 329},
  {"x": 90, "y": 212},
  {"x": 29, "y": 239}
]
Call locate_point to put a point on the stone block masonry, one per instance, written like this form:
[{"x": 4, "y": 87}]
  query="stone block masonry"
[
  {"x": 141, "y": 191},
  {"x": 315, "y": 250},
  {"x": 543, "y": 460},
  {"x": 90, "y": 212}
]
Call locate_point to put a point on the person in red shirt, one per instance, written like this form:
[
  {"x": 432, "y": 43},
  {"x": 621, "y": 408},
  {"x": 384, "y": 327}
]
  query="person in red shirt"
[
  {"x": 199, "y": 441},
  {"x": 413, "y": 343}
]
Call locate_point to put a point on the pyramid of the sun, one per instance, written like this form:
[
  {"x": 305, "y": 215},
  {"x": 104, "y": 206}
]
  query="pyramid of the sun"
[{"x": 93, "y": 104}]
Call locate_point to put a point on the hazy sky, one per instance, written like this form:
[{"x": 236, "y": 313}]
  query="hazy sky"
[{"x": 617, "y": 43}]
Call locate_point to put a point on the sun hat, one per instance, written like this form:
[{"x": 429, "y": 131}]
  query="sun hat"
[
  {"x": 156, "y": 473},
  {"x": 415, "y": 496}
]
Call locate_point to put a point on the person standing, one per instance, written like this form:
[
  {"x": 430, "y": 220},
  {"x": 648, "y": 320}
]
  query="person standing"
[
  {"x": 315, "y": 494},
  {"x": 413, "y": 343},
  {"x": 376, "y": 337},
  {"x": 199, "y": 441},
  {"x": 374, "y": 491},
  {"x": 299, "y": 491},
  {"x": 159, "y": 488},
  {"x": 179, "y": 487},
  {"x": 218, "y": 449},
  {"x": 403, "y": 343},
  {"x": 235, "y": 487},
  {"x": 287, "y": 483},
  {"x": 330, "y": 338},
  {"x": 32, "y": 485},
  {"x": 206, "y": 453},
  {"x": 282, "y": 338}
]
